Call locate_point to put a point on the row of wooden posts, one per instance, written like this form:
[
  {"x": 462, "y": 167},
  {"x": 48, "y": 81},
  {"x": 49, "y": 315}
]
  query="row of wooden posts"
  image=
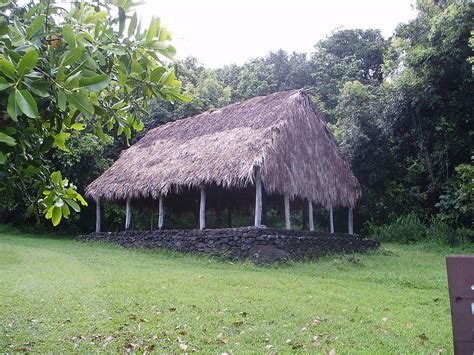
[{"x": 258, "y": 211}]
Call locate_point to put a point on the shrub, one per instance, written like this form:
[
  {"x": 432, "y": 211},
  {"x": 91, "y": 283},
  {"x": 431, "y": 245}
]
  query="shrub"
[
  {"x": 456, "y": 204},
  {"x": 410, "y": 229},
  {"x": 406, "y": 229}
]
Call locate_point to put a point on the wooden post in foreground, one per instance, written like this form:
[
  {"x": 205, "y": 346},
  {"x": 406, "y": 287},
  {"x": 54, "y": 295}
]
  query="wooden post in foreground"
[
  {"x": 287, "y": 212},
  {"x": 310, "y": 216},
  {"x": 350, "y": 221},
  {"x": 258, "y": 198},
  {"x": 202, "y": 209},
  {"x": 461, "y": 296},
  {"x": 97, "y": 216},
  {"x": 128, "y": 214},
  {"x": 161, "y": 213},
  {"x": 331, "y": 220}
]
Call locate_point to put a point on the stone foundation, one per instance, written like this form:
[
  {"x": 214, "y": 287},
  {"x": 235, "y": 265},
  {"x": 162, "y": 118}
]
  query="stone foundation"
[{"x": 262, "y": 245}]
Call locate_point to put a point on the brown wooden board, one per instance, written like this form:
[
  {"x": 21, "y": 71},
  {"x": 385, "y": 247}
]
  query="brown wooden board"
[{"x": 461, "y": 294}]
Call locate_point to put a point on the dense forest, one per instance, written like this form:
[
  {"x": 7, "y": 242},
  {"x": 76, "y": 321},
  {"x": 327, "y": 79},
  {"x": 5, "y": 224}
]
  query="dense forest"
[{"x": 400, "y": 108}]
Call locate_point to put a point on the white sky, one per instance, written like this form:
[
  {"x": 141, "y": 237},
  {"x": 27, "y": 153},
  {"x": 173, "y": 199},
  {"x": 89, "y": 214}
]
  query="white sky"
[{"x": 230, "y": 31}]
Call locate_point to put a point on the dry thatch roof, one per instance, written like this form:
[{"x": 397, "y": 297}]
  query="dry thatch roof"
[{"x": 283, "y": 134}]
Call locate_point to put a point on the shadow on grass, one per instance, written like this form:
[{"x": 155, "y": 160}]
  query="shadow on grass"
[{"x": 37, "y": 232}]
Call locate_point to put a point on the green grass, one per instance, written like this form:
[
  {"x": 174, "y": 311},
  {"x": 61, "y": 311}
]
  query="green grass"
[{"x": 61, "y": 295}]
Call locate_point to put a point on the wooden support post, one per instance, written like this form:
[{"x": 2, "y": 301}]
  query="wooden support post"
[
  {"x": 310, "y": 216},
  {"x": 128, "y": 214},
  {"x": 258, "y": 198},
  {"x": 350, "y": 221},
  {"x": 97, "y": 216},
  {"x": 287, "y": 212},
  {"x": 161, "y": 213},
  {"x": 202, "y": 209},
  {"x": 304, "y": 215},
  {"x": 331, "y": 220}
]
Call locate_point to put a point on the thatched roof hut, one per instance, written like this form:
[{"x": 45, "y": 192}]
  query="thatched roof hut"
[{"x": 282, "y": 136}]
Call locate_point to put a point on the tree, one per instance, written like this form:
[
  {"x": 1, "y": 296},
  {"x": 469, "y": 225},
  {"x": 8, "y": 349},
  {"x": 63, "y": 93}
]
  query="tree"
[
  {"x": 428, "y": 107},
  {"x": 203, "y": 85},
  {"x": 66, "y": 70},
  {"x": 346, "y": 55}
]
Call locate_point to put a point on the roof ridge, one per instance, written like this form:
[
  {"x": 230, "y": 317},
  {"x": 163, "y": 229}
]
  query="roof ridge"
[{"x": 227, "y": 107}]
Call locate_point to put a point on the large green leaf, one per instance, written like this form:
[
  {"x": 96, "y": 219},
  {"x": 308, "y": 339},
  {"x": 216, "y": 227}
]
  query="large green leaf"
[
  {"x": 164, "y": 34},
  {"x": 132, "y": 25},
  {"x": 73, "y": 204},
  {"x": 40, "y": 88},
  {"x": 56, "y": 215},
  {"x": 28, "y": 62},
  {"x": 138, "y": 125},
  {"x": 81, "y": 199},
  {"x": 7, "y": 68},
  {"x": 26, "y": 103},
  {"x": 72, "y": 56},
  {"x": 66, "y": 211},
  {"x": 181, "y": 97},
  {"x": 7, "y": 139},
  {"x": 72, "y": 81},
  {"x": 136, "y": 67},
  {"x": 56, "y": 177},
  {"x": 4, "y": 84},
  {"x": 61, "y": 100},
  {"x": 3, "y": 158},
  {"x": 153, "y": 29},
  {"x": 12, "y": 108},
  {"x": 35, "y": 26},
  {"x": 69, "y": 36},
  {"x": 78, "y": 126},
  {"x": 169, "y": 52},
  {"x": 60, "y": 140},
  {"x": 156, "y": 74},
  {"x": 95, "y": 83},
  {"x": 122, "y": 18},
  {"x": 3, "y": 27},
  {"x": 80, "y": 100}
]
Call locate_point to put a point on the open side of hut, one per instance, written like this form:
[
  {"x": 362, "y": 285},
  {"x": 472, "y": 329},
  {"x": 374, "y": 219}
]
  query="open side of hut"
[{"x": 278, "y": 143}]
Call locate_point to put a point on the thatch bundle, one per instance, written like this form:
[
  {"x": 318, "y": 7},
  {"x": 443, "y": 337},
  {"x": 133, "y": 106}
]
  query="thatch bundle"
[{"x": 283, "y": 134}]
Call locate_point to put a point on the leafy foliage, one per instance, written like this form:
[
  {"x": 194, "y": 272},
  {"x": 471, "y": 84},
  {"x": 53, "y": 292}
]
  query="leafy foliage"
[
  {"x": 88, "y": 67},
  {"x": 456, "y": 204},
  {"x": 410, "y": 229},
  {"x": 59, "y": 196}
]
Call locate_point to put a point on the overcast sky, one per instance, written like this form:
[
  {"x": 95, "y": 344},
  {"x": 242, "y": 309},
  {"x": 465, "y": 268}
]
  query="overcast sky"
[{"x": 230, "y": 31}]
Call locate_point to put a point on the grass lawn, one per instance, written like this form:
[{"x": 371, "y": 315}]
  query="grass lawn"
[{"x": 61, "y": 295}]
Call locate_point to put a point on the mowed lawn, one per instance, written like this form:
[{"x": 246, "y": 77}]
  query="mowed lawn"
[{"x": 61, "y": 295}]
